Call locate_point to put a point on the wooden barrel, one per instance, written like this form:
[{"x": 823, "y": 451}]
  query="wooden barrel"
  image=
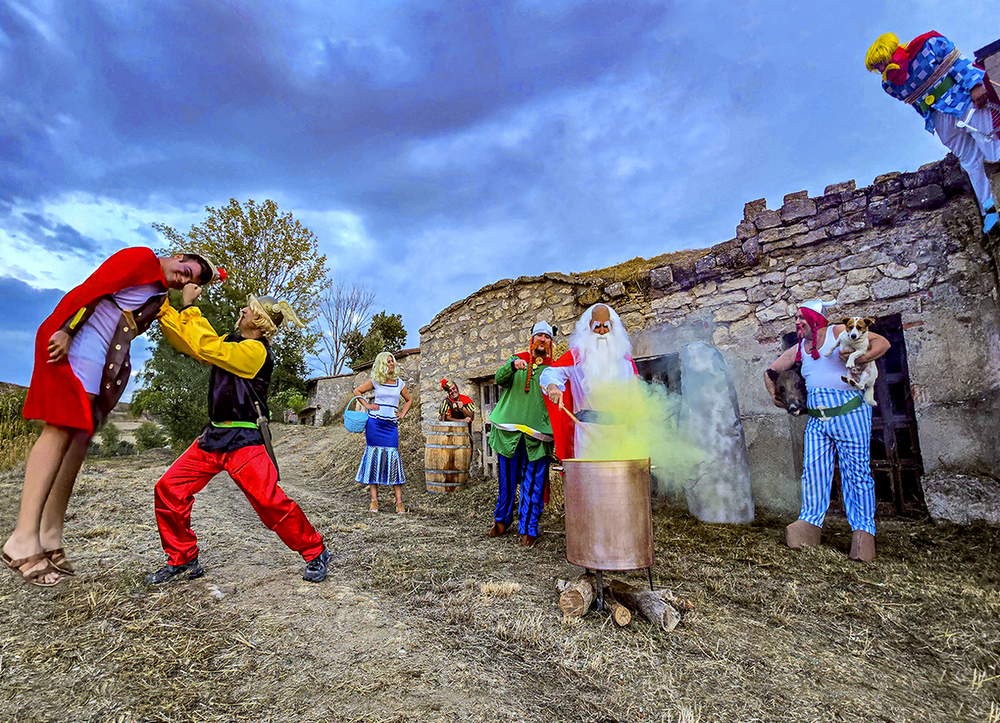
[{"x": 447, "y": 457}]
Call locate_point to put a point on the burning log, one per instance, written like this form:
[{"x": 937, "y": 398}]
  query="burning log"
[
  {"x": 653, "y": 605},
  {"x": 576, "y": 597}
]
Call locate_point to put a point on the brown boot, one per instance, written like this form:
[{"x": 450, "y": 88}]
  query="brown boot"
[
  {"x": 862, "y": 546},
  {"x": 498, "y": 529},
  {"x": 802, "y": 534}
]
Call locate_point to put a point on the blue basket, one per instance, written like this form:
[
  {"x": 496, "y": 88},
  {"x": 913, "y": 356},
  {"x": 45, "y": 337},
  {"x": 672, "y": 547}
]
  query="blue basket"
[{"x": 355, "y": 421}]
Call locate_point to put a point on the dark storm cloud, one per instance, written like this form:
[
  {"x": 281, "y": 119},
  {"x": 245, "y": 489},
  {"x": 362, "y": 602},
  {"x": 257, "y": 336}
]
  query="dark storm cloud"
[
  {"x": 189, "y": 95},
  {"x": 23, "y": 311},
  {"x": 58, "y": 238}
]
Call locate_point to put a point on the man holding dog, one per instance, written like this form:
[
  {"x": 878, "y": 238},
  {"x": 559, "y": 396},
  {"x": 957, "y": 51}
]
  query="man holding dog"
[
  {"x": 521, "y": 435},
  {"x": 839, "y": 427}
]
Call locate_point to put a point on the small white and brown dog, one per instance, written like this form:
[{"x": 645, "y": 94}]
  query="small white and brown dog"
[{"x": 855, "y": 337}]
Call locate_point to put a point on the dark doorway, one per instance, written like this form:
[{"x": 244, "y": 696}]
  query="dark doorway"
[
  {"x": 895, "y": 449},
  {"x": 664, "y": 369}
]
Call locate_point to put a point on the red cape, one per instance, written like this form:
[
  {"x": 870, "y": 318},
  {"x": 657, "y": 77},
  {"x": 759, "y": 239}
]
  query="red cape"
[
  {"x": 55, "y": 395},
  {"x": 904, "y": 54},
  {"x": 562, "y": 425}
]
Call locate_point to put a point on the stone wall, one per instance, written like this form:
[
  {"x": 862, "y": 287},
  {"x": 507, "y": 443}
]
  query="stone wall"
[{"x": 909, "y": 244}]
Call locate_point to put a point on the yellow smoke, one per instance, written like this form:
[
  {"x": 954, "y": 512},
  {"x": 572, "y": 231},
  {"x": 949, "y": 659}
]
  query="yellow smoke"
[{"x": 647, "y": 424}]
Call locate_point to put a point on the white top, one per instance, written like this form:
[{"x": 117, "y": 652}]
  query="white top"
[
  {"x": 825, "y": 372},
  {"x": 89, "y": 349},
  {"x": 387, "y": 398}
]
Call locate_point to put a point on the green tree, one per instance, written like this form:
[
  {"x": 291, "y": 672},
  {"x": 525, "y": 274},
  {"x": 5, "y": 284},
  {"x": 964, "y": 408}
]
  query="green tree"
[
  {"x": 385, "y": 333},
  {"x": 264, "y": 252}
]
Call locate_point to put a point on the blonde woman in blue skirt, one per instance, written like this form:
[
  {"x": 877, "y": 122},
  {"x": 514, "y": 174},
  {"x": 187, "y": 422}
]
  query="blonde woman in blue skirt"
[{"x": 381, "y": 464}]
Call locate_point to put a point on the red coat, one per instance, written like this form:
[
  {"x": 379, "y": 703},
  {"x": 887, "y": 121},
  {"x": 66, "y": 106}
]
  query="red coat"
[{"x": 55, "y": 395}]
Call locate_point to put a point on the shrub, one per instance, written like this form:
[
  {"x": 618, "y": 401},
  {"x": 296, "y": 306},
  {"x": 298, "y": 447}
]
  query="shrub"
[
  {"x": 110, "y": 437},
  {"x": 17, "y": 435},
  {"x": 328, "y": 418},
  {"x": 149, "y": 436}
]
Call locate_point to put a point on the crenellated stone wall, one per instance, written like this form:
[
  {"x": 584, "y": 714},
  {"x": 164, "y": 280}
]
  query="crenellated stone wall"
[{"x": 909, "y": 244}]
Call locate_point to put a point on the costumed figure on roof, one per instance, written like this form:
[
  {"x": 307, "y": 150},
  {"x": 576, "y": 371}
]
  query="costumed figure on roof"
[
  {"x": 81, "y": 370},
  {"x": 839, "y": 430},
  {"x": 600, "y": 353},
  {"x": 948, "y": 91},
  {"x": 236, "y": 440},
  {"x": 521, "y": 435},
  {"x": 381, "y": 464}
]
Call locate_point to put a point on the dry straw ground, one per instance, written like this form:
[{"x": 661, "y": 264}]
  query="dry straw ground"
[{"x": 424, "y": 618}]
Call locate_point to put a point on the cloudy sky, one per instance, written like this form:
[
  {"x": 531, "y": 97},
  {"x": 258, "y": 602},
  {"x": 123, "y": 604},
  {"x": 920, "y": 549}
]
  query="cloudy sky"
[{"x": 434, "y": 147}]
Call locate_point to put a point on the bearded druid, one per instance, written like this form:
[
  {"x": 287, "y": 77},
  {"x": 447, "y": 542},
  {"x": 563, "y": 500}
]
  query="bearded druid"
[{"x": 600, "y": 354}]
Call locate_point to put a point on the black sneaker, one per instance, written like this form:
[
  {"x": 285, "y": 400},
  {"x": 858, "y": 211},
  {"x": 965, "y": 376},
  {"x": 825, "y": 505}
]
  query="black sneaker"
[
  {"x": 316, "y": 567},
  {"x": 190, "y": 570}
]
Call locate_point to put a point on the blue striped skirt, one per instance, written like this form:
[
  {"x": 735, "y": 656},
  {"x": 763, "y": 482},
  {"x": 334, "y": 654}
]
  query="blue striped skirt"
[{"x": 381, "y": 463}]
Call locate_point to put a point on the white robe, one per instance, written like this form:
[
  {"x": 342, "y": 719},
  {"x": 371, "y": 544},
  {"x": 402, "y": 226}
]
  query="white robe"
[{"x": 623, "y": 372}]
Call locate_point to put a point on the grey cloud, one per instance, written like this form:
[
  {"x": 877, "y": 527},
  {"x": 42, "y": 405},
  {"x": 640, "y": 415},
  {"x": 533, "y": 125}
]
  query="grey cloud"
[{"x": 23, "y": 310}]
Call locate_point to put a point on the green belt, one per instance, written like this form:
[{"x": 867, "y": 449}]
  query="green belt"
[
  {"x": 830, "y": 412},
  {"x": 935, "y": 93},
  {"x": 244, "y": 425}
]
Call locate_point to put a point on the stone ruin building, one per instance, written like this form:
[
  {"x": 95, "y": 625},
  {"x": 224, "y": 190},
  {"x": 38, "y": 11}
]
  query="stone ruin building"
[{"x": 907, "y": 249}]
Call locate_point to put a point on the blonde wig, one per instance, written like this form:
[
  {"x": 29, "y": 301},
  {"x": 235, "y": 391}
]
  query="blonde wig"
[
  {"x": 881, "y": 52},
  {"x": 380, "y": 368},
  {"x": 269, "y": 313}
]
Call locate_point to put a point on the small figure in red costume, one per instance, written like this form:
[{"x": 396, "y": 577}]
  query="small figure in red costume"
[
  {"x": 600, "y": 352},
  {"x": 236, "y": 439},
  {"x": 81, "y": 370}
]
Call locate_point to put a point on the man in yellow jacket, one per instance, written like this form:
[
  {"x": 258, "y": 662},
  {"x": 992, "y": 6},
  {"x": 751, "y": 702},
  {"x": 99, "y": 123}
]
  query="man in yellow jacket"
[{"x": 233, "y": 441}]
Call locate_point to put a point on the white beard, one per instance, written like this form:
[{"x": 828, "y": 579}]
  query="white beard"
[{"x": 601, "y": 358}]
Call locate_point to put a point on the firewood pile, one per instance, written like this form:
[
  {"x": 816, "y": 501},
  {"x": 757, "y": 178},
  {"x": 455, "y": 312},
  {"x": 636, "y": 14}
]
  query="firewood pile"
[{"x": 621, "y": 601}]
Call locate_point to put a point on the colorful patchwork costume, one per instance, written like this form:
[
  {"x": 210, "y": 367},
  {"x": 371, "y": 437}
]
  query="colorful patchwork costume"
[
  {"x": 931, "y": 75},
  {"x": 521, "y": 435}
]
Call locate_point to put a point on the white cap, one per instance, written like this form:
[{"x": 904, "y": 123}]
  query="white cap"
[
  {"x": 542, "y": 327},
  {"x": 817, "y": 305}
]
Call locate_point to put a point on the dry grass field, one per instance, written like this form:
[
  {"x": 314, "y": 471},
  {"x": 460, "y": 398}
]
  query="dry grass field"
[{"x": 425, "y": 618}]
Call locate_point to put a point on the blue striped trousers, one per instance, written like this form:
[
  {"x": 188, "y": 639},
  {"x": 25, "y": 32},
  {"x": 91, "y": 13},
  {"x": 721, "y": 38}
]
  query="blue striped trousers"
[
  {"x": 848, "y": 437},
  {"x": 530, "y": 476}
]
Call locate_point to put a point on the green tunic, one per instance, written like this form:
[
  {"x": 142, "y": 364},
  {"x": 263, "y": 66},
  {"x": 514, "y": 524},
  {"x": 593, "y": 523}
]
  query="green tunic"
[{"x": 519, "y": 407}]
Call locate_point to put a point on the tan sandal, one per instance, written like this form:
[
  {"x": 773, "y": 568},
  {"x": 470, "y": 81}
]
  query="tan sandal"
[
  {"x": 34, "y": 577},
  {"x": 374, "y": 507},
  {"x": 58, "y": 559},
  {"x": 400, "y": 509}
]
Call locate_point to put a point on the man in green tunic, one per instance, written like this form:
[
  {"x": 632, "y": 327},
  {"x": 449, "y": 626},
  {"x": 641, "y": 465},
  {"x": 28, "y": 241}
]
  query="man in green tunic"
[{"x": 522, "y": 436}]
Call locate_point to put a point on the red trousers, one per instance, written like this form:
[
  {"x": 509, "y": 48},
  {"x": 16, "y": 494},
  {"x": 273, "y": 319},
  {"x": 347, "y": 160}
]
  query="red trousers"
[{"x": 254, "y": 473}]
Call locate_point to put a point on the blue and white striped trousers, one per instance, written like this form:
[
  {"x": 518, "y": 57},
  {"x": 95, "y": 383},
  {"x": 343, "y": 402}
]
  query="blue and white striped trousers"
[
  {"x": 849, "y": 436},
  {"x": 531, "y": 476}
]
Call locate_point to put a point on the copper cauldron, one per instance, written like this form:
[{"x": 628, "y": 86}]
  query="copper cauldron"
[{"x": 609, "y": 521}]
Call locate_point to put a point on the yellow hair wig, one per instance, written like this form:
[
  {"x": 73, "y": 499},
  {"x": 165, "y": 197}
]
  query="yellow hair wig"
[
  {"x": 269, "y": 313},
  {"x": 380, "y": 368},
  {"x": 881, "y": 52}
]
